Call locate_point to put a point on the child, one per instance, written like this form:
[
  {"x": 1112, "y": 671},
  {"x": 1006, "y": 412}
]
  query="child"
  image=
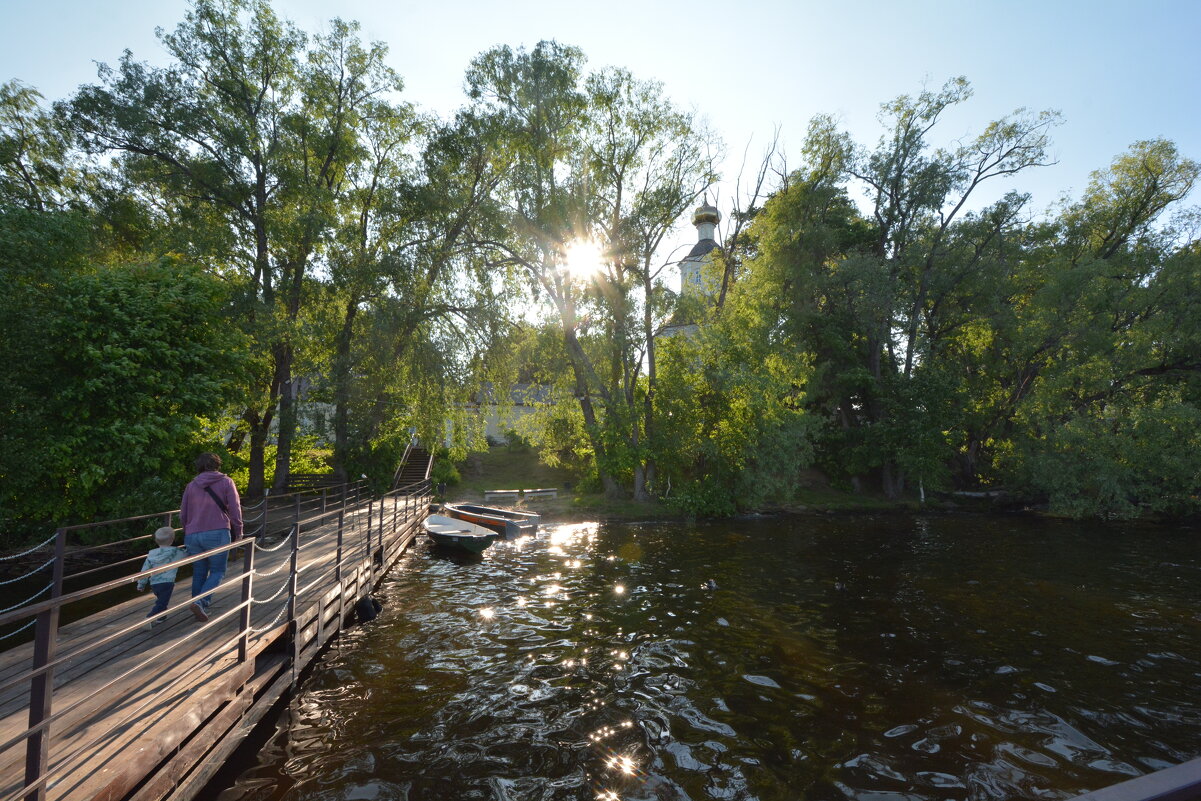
[{"x": 162, "y": 582}]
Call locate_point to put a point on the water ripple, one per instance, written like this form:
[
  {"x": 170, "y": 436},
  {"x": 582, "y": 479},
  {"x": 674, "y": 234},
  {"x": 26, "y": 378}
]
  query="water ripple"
[{"x": 875, "y": 660}]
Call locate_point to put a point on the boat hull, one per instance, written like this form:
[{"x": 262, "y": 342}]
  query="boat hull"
[
  {"x": 509, "y": 522},
  {"x": 459, "y": 535}
]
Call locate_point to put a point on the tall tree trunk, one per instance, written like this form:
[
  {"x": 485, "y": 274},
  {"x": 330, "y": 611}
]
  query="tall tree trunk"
[
  {"x": 287, "y": 416},
  {"x": 644, "y": 471},
  {"x": 285, "y": 355},
  {"x": 844, "y": 417},
  {"x": 640, "y": 493},
  {"x": 258, "y": 444},
  {"x": 342, "y": 391},
  {"x": 259, "y": 424},
  {"x": 577, "y": 358}
]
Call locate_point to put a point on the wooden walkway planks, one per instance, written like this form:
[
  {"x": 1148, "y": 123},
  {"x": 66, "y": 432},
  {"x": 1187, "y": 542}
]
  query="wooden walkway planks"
[{"x": 136, "y": 701}]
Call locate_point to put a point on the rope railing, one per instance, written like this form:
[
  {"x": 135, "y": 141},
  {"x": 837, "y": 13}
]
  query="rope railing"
[
  {"x": 15, "y": 632},
  {"x": 311, "y": 524},
  {"x": 37, "y": 569},
  {"x": 269, "y": 573},
  {"x": 262, "y": 630},
  {"x": 36, "y": 595},
  {"x": 37, "y": 547},
  {"x": 283, "y": 587},
  {"x": 265, "y": 549}
]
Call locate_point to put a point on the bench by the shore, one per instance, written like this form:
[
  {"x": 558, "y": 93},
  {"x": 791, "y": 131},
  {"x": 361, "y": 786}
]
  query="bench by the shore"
[{"x": 517, "y": 494}]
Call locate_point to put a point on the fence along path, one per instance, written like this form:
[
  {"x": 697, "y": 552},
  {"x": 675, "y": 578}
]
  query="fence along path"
[{"x": 103, "y": 708}]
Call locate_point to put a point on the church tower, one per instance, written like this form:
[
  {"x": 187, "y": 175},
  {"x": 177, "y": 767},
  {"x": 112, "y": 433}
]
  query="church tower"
[
  {"x": 692, "y": 280},
  {"x": 694, "y": 283}
]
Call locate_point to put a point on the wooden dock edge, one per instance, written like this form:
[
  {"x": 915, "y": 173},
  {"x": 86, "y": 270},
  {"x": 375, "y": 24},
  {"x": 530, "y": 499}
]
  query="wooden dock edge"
[{"x": 1178, "y": 783}]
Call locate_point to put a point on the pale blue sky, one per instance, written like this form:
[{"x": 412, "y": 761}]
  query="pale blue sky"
[{"x": 1118, "y": 71}]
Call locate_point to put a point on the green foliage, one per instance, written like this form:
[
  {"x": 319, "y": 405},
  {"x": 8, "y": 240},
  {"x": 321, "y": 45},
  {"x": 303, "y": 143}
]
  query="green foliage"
[
  {"x": 706, "y": 498},
  {"x": 516, "y": 442},
  {"x": 731, "y": 432},
  {"x": 114, "y": 370},
  {"x": 263, "y": 210},
  {"x": 36, "y": 169},
  {"x": 444, "y": 472},
  {"x": 1128, "y": 460}
]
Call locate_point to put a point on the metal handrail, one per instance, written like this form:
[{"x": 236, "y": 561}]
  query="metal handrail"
[
  {"x": 89, "y": 696},
  {"x": 88, "y": 592},
  {"x": 313, "y": 519},
  {"x": 99, "y": 523},
  {"x": 166, "y": 515},
  {"x": 404, "y": 459},
  {"x": 64, "y": 765}
]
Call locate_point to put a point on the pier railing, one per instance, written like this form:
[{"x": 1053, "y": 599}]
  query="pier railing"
[{"x": 108, "y": 704}]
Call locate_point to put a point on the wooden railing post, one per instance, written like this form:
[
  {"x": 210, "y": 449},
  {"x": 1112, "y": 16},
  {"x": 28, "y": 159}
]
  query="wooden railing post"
[
  {"x": 247, "y": 596},
  {"x": 370, "y": 562},
  {"x": 41, "y": 689},
  {"x": 392, "y": 527},
  {"x": 338, "y": 567},
  {"x": 293, "y": 579},
  {"x": 263, "y": 530}
]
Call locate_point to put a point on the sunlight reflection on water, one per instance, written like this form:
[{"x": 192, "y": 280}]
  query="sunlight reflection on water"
[{"x": 857, "y": 658}]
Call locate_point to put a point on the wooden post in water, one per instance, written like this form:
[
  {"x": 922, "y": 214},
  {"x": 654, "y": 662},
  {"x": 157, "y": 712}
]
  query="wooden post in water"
[{"x": 41, "y": 687}]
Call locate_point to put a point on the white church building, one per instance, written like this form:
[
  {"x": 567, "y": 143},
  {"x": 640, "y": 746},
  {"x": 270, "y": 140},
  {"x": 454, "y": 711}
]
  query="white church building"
[{"x": 697, "y": 279}]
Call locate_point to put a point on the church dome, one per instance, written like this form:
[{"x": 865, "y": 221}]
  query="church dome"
[{"x": 706, "y": 214}]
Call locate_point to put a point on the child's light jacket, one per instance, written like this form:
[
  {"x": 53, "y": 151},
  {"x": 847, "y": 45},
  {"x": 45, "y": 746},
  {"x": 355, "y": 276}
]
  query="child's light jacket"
[{"x": 157, "y": 558}]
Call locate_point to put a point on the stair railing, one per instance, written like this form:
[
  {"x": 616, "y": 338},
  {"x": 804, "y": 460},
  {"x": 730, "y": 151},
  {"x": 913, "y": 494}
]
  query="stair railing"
[{"x": 405, "y": 458}]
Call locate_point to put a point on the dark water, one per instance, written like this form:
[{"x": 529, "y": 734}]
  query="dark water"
[{"x": 880, "y": 659}]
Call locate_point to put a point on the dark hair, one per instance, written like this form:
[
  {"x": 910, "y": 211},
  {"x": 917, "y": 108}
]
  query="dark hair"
[{"x": 207, "y": 461}]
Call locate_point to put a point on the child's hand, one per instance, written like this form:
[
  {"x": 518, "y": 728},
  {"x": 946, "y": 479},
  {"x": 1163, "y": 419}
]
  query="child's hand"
[{"x": 141, "y": 588}]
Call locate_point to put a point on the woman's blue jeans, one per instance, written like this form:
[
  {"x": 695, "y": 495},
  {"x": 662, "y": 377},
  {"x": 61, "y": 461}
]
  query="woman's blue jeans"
[{"x": 207, "y": 573}]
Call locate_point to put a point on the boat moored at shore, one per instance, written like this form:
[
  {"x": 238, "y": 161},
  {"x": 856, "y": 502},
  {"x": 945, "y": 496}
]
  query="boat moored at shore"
[
  {"x": 458, "y": 534},
  {"x": 509, "y": 522}
]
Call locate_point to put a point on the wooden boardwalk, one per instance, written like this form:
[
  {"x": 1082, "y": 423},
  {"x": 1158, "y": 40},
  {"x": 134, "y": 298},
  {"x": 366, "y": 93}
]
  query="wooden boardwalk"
[{"x": 151, "y": 714}]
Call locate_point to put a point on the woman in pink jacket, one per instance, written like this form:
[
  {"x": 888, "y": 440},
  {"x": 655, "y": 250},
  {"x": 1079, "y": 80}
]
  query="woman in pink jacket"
[{"x": 211, "y": 514}]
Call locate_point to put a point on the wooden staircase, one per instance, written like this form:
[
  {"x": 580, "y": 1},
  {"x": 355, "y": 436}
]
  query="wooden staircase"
[{"x": 416, "y": 467}]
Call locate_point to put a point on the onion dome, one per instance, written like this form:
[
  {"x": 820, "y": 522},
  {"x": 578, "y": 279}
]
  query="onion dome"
[{"x": 706, "y": 214}]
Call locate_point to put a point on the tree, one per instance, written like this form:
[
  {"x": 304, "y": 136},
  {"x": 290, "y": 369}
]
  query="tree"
[
  {"x": 608, "y": 159},
  {"x": 417, "y": 294},
  {"x": 36, "y": 169},
  {"x": 249, "y": 144},
  {"x": 734, "y": 432},
  {"x": 113, "y": 370},
  {"x": 1101, "y": 362},
  {"x": 648, "y": 164},
  {"x": 535, "y": 101},
  {"x": 904, "y": 291}
]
